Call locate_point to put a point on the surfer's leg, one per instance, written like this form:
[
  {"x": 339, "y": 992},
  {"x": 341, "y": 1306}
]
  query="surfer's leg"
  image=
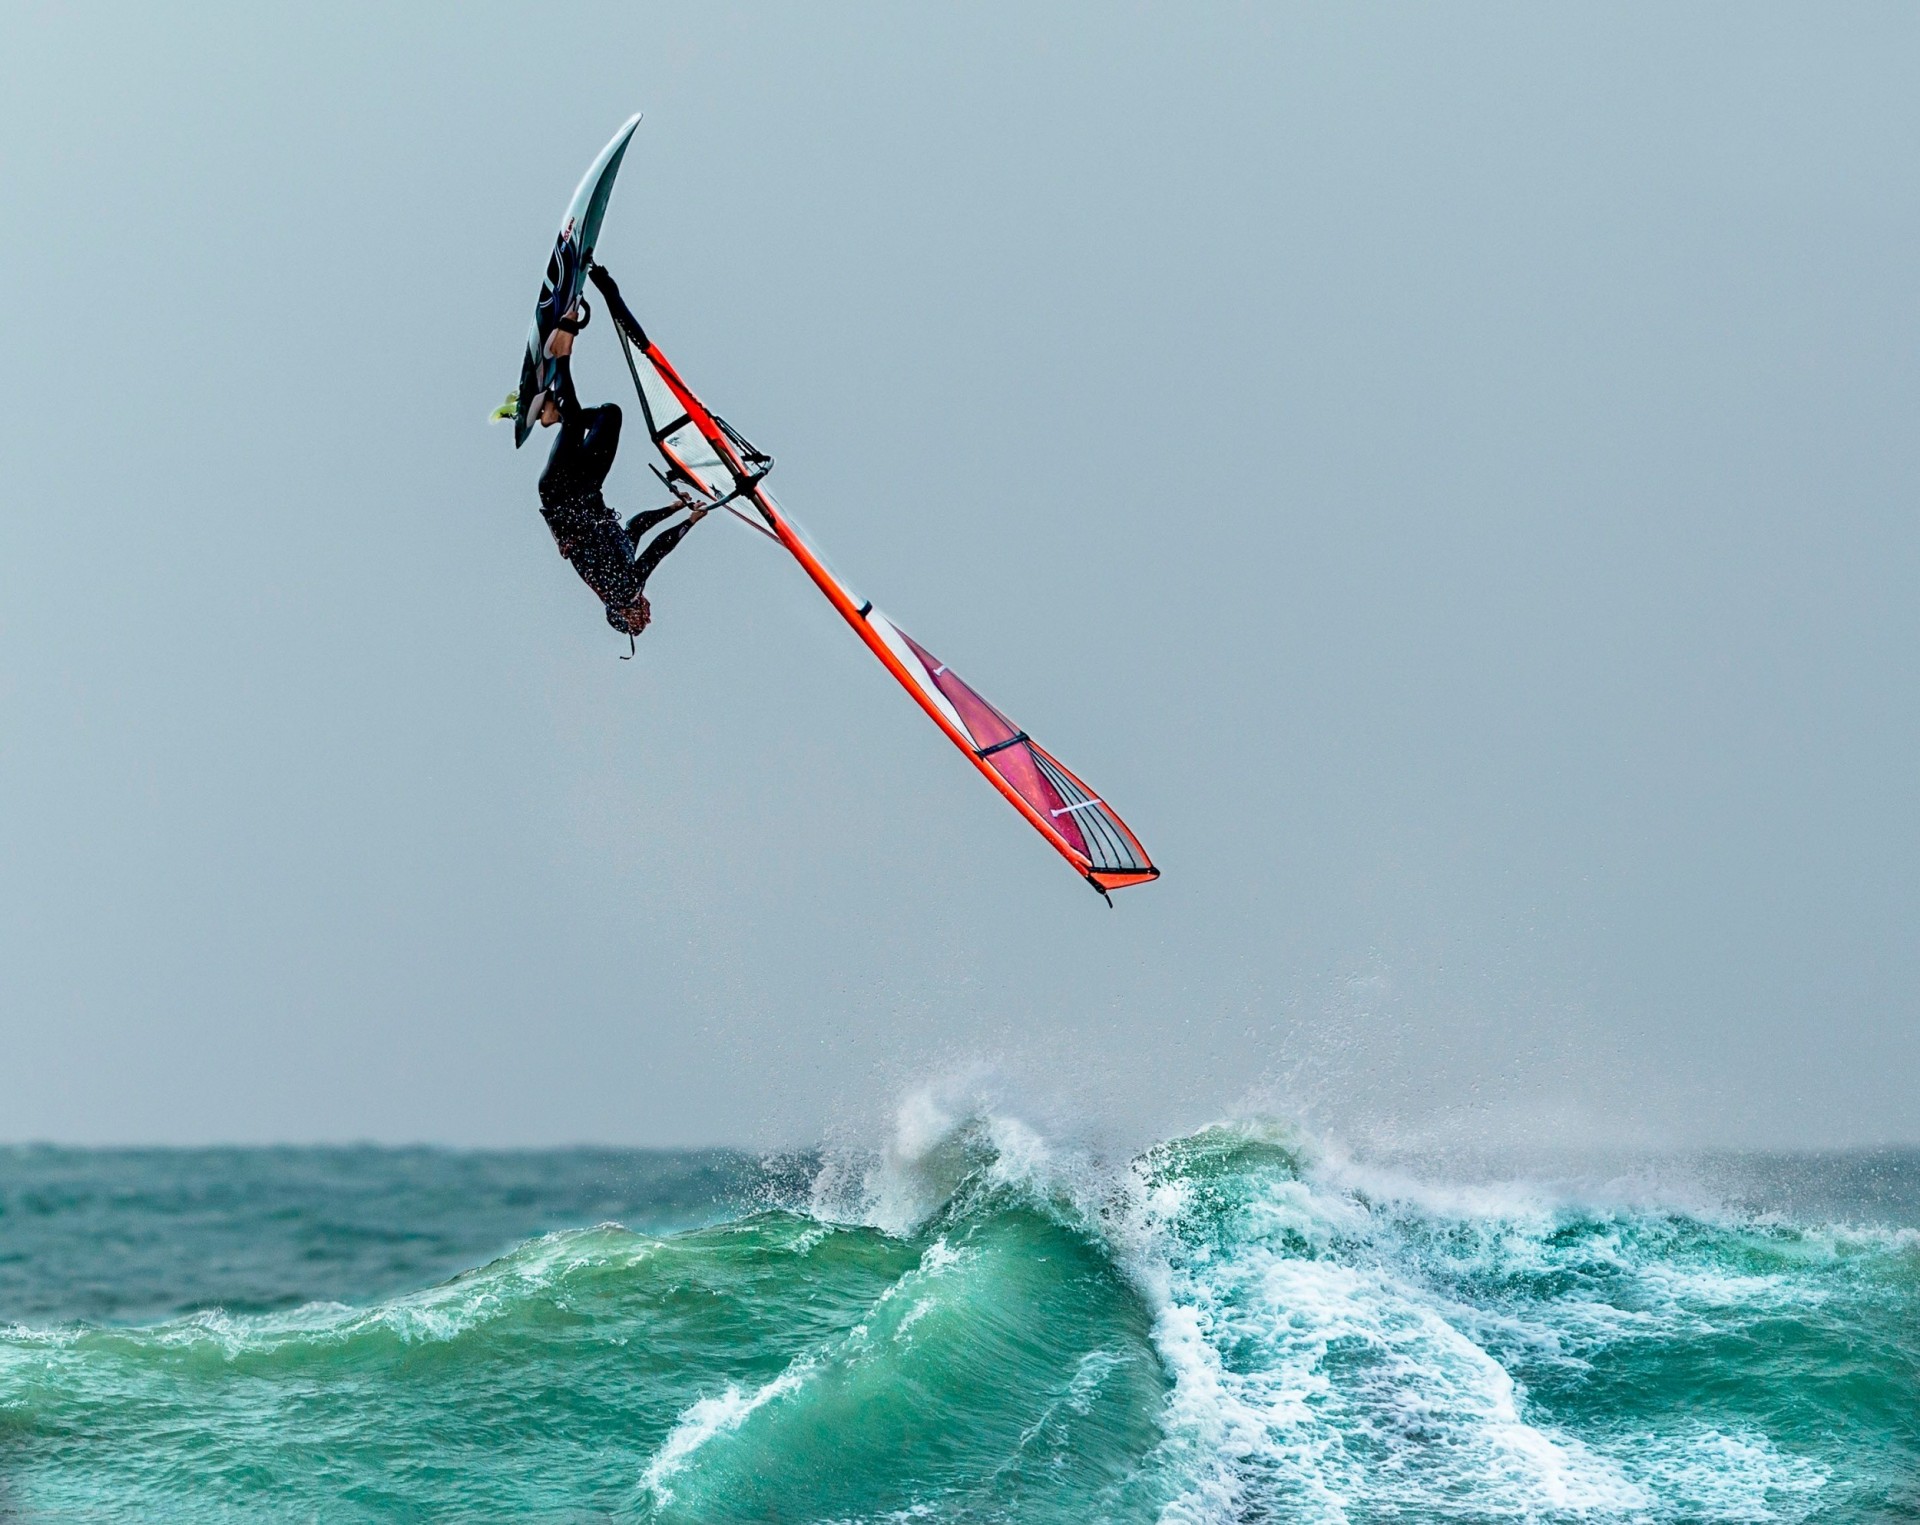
[{"x": 601, "y": 442}]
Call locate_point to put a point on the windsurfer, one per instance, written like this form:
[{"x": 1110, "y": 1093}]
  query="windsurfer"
[{"x": 606, "y": 554}]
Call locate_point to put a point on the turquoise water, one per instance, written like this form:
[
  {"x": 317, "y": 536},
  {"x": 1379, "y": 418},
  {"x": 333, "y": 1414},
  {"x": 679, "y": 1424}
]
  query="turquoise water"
[{"x": 973, "y": 1325}]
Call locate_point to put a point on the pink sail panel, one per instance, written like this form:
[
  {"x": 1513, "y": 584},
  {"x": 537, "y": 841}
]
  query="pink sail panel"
[
  {"x": 999, "y": 743},
  {"x": 1039, "y": 778},
  {"x": 984, "y": 722},
  {"x": 1021, "y": 769}
]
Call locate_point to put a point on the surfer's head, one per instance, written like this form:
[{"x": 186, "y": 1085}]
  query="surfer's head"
[{"x": 632, "y": 619}]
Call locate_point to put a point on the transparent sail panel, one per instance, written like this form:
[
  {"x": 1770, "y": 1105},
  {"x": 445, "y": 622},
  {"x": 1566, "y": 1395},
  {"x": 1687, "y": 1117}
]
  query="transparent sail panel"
[
  {"x": 688, "y": 449},
  {"x": 661, "y": 405},
  {"x": 1109, "y": 845}
]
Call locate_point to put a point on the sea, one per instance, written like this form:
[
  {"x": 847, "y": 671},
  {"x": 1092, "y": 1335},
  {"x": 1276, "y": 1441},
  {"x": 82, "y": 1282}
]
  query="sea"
[{"x": 974, "y": 1321}]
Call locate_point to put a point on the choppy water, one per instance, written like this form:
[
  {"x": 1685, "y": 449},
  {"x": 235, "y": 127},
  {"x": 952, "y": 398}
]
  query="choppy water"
[{"x": 976, "y": 1326}]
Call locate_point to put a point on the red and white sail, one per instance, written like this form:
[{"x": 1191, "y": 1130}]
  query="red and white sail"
[{"x": 704, "y": 454}]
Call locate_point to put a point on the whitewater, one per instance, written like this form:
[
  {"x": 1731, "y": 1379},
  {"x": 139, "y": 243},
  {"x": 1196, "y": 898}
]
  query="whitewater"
[{"x": 976, "y": 1322}]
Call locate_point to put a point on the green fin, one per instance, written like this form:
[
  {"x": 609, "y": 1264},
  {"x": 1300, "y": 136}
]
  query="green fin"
[{"x": 506, "y": 409}]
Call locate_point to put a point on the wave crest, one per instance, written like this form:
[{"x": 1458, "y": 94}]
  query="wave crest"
[{"x": 980, "y": 1320}]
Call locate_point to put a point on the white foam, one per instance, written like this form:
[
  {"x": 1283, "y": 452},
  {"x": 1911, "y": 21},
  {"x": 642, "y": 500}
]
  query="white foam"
[
  {"x": 434, "y": 1314},
  {"x": 708, "y": 1417},
  {"x": 1317, "y": 1374},
  {"x": 938, "y": 1258},
  {"x": 945, "y": 1135},
  {"x": 1709, "y": 1474}
]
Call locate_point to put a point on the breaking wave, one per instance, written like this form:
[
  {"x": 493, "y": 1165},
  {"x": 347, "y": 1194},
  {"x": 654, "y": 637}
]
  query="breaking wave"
[{"x": 978, "y": 1324}]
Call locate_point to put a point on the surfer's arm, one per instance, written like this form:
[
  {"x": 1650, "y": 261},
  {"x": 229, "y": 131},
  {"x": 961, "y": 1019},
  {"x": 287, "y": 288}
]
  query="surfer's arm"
[
  {"x": 616, "y": 308},
  {"x": 640, "y": 523},
  {"x": 656, "y": 551}
]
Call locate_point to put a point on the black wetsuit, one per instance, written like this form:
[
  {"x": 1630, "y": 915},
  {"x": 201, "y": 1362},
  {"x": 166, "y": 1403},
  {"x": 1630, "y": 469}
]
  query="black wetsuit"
[{"x": 604, "y": 552}]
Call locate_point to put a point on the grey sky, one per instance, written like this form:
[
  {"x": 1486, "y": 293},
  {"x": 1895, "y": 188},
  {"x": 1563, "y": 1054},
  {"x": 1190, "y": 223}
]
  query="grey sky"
[{"x": 1449, "y": 476}]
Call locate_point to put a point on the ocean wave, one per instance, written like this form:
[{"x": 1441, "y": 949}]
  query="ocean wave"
[{"x": 979, "y": 1321}]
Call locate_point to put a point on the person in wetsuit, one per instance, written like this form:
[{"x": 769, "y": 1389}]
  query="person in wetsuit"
[{"x": 605, "y": 553}]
